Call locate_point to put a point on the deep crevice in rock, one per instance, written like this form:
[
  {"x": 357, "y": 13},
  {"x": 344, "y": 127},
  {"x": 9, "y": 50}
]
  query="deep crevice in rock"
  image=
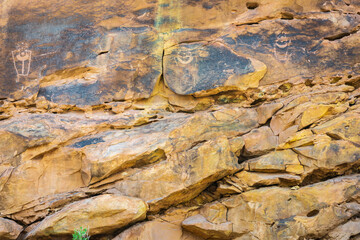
[{"x": 103, "y": 52}]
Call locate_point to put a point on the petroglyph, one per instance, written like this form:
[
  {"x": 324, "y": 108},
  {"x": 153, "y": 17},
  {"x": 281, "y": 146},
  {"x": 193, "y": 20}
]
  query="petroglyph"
[
  {"x": 281, "y": 47},
  {"x": 22, "y": 59},
  {"x": 188, "y": 55},
  {"x": 185, "y": 58}
]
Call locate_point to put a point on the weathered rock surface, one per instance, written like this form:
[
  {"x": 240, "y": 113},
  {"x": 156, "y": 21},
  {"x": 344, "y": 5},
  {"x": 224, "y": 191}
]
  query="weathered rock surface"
[
  {"x": 260, "y": 141},
  {"x": 183, "y": 176},
  {"x": 275, "y": 213},
  {"x": 206, "y": 69},
  {"x": 101, "y": 214},
  {"x": 9, "y": 229},
  {"x": 346, "y": 231},
  {"x": 33, "y": 158},
  {"x": 202, "y": 227},
  {"x": 116, "y": 51},
  {"x": 81, "y": 161},
  {"x": 156, "y": 230},
  {"x": 204, "y": 119}
]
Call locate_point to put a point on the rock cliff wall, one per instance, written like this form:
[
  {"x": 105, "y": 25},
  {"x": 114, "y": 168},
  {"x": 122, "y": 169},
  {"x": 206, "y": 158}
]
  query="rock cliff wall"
[{"x": 180, "y": 119}]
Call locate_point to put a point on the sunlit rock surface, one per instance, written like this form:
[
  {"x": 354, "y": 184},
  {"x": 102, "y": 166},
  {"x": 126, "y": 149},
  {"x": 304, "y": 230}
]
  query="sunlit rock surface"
[
  {"x": 9, "y": 229},
  {"x": 180, "y": 120},
  {"x": 100, "y": 214}
]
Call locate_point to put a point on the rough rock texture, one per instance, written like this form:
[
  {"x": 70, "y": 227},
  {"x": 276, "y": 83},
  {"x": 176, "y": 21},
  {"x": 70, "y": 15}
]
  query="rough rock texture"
[
  {"x": 156, "y": 230},
  {"x": 9, "y": 229},
  {"x": 206, "y": 69},
  {"x": 278, "y": 213},
  {"x": 100, "y": 214},
  {"x": 180, "y": 120}
]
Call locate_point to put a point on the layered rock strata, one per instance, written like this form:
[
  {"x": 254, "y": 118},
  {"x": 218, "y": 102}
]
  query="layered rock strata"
[{"x": 181, "y": 120}]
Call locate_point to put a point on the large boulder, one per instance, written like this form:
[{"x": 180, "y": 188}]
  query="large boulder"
[
  {"x": 183, "y": 176},
  {"x": 9, "y": 230},
  {"x": 100, "y": 214}
]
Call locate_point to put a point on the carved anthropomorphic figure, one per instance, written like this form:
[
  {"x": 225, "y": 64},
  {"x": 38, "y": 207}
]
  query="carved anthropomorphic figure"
[
  {"x": 281, "y": 48},
  {"x": 22, "y": 59},
  {"x": 187, "y": 59}
]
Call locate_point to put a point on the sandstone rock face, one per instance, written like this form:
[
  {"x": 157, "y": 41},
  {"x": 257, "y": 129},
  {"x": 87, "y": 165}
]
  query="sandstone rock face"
[
  {"x": 260, "y": 141},
  {"x": 206, "y": 69},
  {"x": 9, "y": 229},
  {"x": 100, "y": 214},
  {"x": 181, "y": 120},
  {"x": 156, "y": 230},
  {"x": 182, "y": 177},
  {"x": 272, "y": 213}
]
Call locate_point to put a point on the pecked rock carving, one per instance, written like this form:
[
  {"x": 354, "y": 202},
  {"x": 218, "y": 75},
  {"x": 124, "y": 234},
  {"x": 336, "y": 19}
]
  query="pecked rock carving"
[
  {"x": 22, "y": 60},
  {"x": 208, "y": 68}
]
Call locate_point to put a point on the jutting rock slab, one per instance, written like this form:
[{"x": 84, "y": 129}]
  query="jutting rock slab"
[
  {"x": 9, "y": 229},
  {"x": 101, "y": 214},
  {"x": 309, "y": 211},
  {"x": 183, "y": 176}
]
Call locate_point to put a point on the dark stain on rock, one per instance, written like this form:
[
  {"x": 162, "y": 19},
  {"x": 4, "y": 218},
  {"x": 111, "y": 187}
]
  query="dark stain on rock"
[
  {"x": 164, "y": 5},
  {"x": 352, "y": 191},
  {"x": 282, "y": 224},
  {"x": 207, "y": 5},
  {"x": 76, "y": 93},
  {"x": 197, "y": 67},
  {"x": 87, "y": 142},
  {"x": 166, "y": 20},
  {"x": 192, "y": 2},
  {"x": 335, "y": 148}
]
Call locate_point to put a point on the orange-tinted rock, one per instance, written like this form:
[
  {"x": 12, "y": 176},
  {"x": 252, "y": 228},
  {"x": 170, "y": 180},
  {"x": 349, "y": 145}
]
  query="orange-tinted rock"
[
  {"x": 203, "y": 228},
  {"x": 285, "y": 119},
  {"x": 156, "y": 230},
  {"x": 9, "y": 229},
  {"x": 34, "y": 159},
  {"x": 101, "y": 214},
  {"x": 311, "y": 211},
  {"x": 275, "y": 161},
  {"x": 266, "y": 111},
  {"x": 346, "y": 231},
  {"x": 330, "y": 156},
  {"x": 253, "y": 179},
  {"x": 298, "y": 139},
  {"x": 283, "y": 136},
  {"x": 162, "y": 100},
  {"x": 312, "y": 114},
  {"x": 344, "y": 127},
  {"x": 308, "y": 109},
  {"x": 87, "y": 160},
  {"x": 183, "y": 176},
  {"x": 230, "y": 122},
  {"x": 259, "y": 141},
  {"x": 236, "y": 145}
]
